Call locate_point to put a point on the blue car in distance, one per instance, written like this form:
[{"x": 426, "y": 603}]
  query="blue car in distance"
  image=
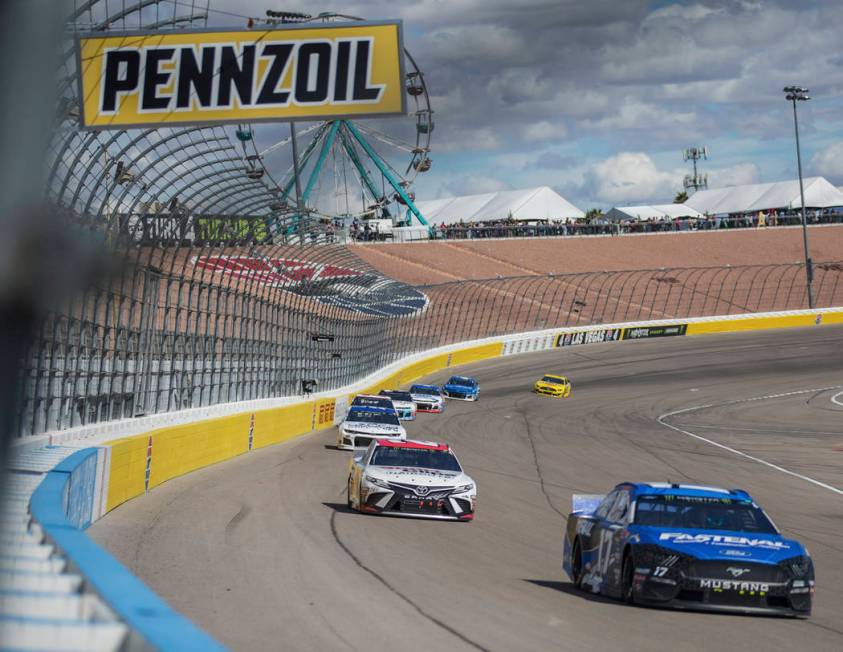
[
  {"x": 462, "y": 388},
  {"x": 688, "y": 547}
]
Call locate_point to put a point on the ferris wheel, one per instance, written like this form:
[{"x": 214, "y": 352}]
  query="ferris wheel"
[{"x": 346, "y": 169}]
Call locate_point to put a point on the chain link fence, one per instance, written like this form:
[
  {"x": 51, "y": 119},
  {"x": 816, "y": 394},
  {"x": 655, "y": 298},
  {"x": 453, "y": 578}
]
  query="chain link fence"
[{"x": 170, "y": 334}]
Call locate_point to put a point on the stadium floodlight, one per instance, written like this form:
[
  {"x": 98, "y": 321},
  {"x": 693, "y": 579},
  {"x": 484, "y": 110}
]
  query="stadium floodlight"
[{"x": 796, "y": 94}]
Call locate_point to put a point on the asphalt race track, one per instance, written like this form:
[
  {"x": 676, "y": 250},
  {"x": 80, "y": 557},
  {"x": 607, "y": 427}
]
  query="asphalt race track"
[{"x": 262, "y": 553}]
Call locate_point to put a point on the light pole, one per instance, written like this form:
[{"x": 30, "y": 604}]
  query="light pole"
[{"x": 798, "y": 94}]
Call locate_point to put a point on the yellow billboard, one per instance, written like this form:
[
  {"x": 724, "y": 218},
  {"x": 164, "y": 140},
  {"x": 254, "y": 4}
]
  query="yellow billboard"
[{"x": 341, "y": 70}]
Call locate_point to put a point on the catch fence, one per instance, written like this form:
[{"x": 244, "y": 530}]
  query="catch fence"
[{"x": 191, "y": 327}]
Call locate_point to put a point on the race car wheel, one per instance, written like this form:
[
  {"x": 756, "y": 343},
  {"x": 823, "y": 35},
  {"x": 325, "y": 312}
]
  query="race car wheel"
[
  {"x": 627, "y": 594},
  {"x": 576, "y": 564}
]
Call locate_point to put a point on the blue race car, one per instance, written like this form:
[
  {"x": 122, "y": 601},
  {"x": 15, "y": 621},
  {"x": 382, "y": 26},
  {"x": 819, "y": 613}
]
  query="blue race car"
[
  {"x": 686, "y": 546},
  {"x": 462, "y": 387}
]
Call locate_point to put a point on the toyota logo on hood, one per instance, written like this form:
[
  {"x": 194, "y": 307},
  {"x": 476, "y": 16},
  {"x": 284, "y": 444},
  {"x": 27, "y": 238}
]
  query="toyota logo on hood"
[{"x": 421, "y": 491}]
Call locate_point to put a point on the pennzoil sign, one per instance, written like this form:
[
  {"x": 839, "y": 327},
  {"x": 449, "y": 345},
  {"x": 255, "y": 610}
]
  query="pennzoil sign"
[{"x": 134, "y": 79}]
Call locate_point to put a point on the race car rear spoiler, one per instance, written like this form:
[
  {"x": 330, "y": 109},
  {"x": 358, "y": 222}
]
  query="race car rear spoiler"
[{"x": 586, "y": 503}]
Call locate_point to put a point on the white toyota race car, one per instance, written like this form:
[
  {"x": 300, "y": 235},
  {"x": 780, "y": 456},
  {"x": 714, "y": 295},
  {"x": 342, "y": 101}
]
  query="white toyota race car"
[
  {"x": 365, "y": 424},
  {"x": 410, "y": 478}
]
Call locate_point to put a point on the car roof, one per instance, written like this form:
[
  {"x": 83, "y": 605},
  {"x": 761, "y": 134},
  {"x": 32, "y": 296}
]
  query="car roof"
[
  {"x": 461, "y": 378},
  {"x": 436, "y": 387},
  {"x": 375, "y": 396},
  {"x": 553, "y": 376},
  {"x": 389, "y": 392},
  {"x": 682, "y": 489},
  {"x": 412, "y": 443}
]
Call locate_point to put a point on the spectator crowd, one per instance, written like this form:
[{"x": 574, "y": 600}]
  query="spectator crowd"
[{"x": 598, "y": 226}]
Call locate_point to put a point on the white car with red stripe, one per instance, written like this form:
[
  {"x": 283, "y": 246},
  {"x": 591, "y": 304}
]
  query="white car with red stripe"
[{"x": 411, "y": 478}]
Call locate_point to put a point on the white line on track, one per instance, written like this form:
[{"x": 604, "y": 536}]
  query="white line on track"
[
  {"x": 662, "y": 418},
  {"x": 835, "y": 399}
]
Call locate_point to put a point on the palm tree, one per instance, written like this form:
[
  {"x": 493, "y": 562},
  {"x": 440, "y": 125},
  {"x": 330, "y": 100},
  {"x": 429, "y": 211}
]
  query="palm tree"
[{"x": 681, "y": 197}]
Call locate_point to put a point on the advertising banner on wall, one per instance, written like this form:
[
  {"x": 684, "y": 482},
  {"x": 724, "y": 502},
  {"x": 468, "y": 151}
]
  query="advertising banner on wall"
[
  {"x": 293, "y": 72},
  {"x": 596, "y": 335}
]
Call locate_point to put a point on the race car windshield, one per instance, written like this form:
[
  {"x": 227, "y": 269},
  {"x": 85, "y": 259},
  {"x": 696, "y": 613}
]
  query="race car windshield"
[
  {"x": 552, "y": 379},
  {"x": 702, "y": 513},
  {"x": 373, "y": 402},
  {"x": 399, "y": 396},
  {"x": 373, "y": 417},
  {"x": 427, "y": 391},
  {"x": 462, "y": 382},
  {"x": 421, "y": 458}
]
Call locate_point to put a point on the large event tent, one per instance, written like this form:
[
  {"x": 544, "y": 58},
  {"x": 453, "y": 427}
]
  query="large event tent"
[
  {"x": 526, "y": 205},
  {"x": 647, "y": 213},
  {"x": 819, "y": 193}
]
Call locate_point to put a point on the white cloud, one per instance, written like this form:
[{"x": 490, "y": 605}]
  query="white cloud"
[
  {"x": 543, "y": 131},
  {"x": 829, "y": 162},
  {"x": 473, "y": 185},
  {"x": 735, "y": 175},
  {"x": 633, "y": 177},
  {"x": 641, "y": 115}
]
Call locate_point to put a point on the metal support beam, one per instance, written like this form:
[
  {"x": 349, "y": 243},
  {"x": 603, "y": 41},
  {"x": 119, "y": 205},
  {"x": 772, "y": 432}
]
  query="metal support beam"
[{"x": 385, "y": 171}]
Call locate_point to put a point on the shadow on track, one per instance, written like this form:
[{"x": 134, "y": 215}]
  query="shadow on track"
[{"x": 569, "y": 589}]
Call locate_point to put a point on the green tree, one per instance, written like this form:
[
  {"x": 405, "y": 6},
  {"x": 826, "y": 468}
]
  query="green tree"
[
  {"x": 681, "y": 197},
  {"x": 593, "y": 214}
]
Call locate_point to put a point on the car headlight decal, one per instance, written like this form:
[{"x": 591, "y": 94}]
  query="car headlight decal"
[{"x": 376, "y": 481}]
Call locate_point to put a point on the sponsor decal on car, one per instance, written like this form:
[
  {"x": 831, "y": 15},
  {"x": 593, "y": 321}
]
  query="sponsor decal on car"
[
  {"x": 731, "y": 585},
  {"x": 584, "y": 528},
  {"x": 722, "y": 540}
]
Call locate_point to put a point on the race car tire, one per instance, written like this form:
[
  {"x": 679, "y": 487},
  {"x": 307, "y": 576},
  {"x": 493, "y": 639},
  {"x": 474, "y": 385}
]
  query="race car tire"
[
  {"x": 576, "y": 564},
  {"x": 627, "y": 593},
  {"x": 348, "y": 494}
]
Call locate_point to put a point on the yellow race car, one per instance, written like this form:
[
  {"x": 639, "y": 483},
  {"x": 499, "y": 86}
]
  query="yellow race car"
[{"x": 553, "y": 385}]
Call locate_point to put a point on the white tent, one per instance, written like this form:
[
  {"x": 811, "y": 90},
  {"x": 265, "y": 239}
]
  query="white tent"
[
  {"x": 523, "y": 205},
  {"x": 647, "y": 213},
  {"x": 819, "y": 193}
]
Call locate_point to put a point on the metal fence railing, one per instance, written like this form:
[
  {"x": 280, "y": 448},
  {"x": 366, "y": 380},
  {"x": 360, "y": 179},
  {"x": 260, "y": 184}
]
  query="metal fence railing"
[{"x": 178, "y": 335}]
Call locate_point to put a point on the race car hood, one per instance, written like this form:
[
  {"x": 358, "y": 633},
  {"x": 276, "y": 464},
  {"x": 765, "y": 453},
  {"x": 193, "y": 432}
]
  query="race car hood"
[
  {"x": 418, "y": 476},
  {"x": 384, "y": 429},
  {"x": 719, "y": 544},
  {"x": 403, "y": 405}
]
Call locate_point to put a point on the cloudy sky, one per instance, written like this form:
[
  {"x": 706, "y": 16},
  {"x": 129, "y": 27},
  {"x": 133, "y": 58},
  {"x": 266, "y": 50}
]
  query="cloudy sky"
[{"x": 597, "y": 98}]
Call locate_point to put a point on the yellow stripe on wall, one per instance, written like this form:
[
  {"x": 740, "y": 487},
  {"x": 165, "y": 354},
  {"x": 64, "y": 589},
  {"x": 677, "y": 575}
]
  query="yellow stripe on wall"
[
  {"x": 128, "y": 467},
  {"x": 177, "y": 450},
  {"x": 754, "y": 323},
  {"x": 475, "y": 353},
  {"x": 279, "y": 424}
]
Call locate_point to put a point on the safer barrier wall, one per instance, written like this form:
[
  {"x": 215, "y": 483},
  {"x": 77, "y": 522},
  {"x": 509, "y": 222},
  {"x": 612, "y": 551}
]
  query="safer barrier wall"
[{"x": 142, "y": 462}]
